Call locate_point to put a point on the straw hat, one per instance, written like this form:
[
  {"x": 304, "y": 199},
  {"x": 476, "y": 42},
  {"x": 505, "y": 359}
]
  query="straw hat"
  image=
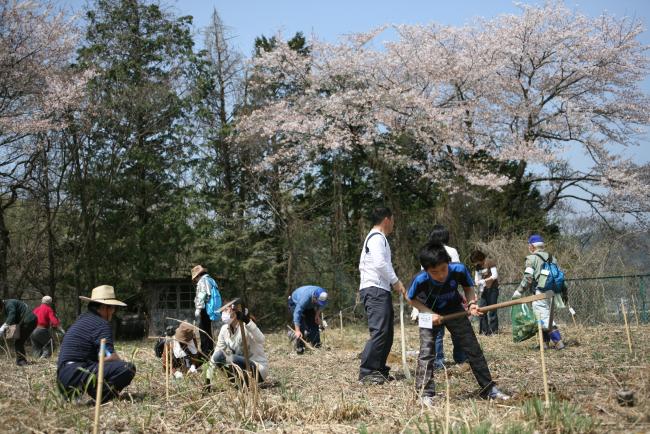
[
  {"x": 104, "y": 294},
  {"x": 184, "y": 333},
  {"x": 198, "y": 270}
]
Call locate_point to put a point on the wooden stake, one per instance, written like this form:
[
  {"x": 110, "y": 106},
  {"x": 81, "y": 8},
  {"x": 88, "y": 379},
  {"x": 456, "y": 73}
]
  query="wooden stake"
[
  {"x": 341, "y": 321},
  {"x": 627, "y": 327},
  {"x": 100, "y": 384},
  {"x": 168, "y": 368},
  {"x": 636, "y": 315},
  {"x": 405, "y": 365},
  {"x": 573, "y": 316},
  {"x": 541, "y": 351}
]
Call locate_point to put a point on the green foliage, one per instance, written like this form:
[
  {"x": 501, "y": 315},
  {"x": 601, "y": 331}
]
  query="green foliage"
[{"x": 560, "y": 416}]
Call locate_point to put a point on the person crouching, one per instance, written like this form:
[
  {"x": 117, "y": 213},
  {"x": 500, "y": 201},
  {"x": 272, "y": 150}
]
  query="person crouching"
[
  {"x": 78, "y": 363},
  {"x": 185, "y": 354},
  {"x": 229, "y": 354}
]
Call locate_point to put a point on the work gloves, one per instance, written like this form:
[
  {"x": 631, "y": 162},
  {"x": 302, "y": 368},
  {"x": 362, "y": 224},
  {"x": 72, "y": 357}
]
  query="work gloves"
[
  {"x": 516, "y": 294},
  {"x": 2, "y": 329},
  {"x": 197, "y": 315},
  {"x": 242, "y": 315}
]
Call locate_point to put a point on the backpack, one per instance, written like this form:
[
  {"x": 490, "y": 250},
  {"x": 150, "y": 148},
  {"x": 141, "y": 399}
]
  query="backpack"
[
  {"x": 214, "y": 302},
  {"x": 555, "y": 278}
]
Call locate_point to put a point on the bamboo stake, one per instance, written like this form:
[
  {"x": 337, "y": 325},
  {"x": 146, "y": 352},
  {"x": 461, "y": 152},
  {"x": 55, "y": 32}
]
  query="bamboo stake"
[
  {"x": 541, "y": 351},
  {"x": 100, "y": 384},
  {"x": 573, "y": 316},
  {"x": 341, "y": 321},
  {"x": 627, "y": 327},
  {"x": 168, "y": 368},
  {"x": 448, "y": 403},
  {"x": 636, "y": 315},
  {"x": 405, "y": 365}
]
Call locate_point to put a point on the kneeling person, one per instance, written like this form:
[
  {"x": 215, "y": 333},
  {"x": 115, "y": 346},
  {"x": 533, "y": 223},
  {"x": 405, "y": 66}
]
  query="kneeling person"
[
  {"x": 184, "y": 352},
  {"x": 229, "y": 351},
  {"x": 436, "y": 290},
  {"x": 78, "y": 362}
]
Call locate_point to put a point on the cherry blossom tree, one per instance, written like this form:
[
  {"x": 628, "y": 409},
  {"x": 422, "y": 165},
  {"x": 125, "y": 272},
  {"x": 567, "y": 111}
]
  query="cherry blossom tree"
[
  {"x": 37, "y": 86},
  {"x": 532, "y": 88}
]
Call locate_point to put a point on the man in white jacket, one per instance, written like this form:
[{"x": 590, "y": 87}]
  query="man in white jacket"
[{"x": 377, "y": 278}]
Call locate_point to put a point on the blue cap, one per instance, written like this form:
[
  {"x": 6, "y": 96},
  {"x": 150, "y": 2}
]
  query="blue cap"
[
  {"x": 535, "y": 239},
  {"x": 320, "y": 296}
]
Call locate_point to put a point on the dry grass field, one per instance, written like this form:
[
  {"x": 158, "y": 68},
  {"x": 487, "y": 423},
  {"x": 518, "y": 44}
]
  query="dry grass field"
[{"x": 318, "y": 392}]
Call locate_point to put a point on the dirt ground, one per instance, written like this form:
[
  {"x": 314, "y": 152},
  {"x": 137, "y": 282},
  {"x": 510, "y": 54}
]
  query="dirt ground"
[{"x": 319, "y": 392}]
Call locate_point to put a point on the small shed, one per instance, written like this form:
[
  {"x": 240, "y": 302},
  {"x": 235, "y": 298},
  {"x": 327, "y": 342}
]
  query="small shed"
[{"x": 168, "y": 298}]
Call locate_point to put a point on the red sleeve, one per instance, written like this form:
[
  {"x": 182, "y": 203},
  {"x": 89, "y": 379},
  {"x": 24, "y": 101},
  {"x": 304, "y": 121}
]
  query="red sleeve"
[{"x": 54, "y": 321}]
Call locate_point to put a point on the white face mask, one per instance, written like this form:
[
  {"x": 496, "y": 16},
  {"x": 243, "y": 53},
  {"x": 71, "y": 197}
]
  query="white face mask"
[{"x": 226, "y": 317}]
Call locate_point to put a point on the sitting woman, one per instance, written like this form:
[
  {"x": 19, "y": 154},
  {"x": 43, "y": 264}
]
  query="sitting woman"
[
  {"x": 185, "y": 355},
  {"x": 229, "y": 351}
]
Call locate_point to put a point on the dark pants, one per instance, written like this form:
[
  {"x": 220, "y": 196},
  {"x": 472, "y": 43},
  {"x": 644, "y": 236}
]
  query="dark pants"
[
  {"x": 207, "y": 343},
  {"x": 308, "y": 327},
  {"x": 461, "y": 329},
  {"x": 219, "y": 359},
  {"x": 490, "y": 321},
  {"x": 41, "y": 342},
  {"x": 379, "y": 310},
  {"x": 74, "y": 379},
  {"x": 27, "y": 326},
  {"x": 458, "y": 353}
]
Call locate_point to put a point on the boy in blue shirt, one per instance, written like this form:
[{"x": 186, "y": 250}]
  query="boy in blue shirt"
[{"x": 435, "y": 290}]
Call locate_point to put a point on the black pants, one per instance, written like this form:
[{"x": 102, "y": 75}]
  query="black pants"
[
  {"x": 27, "y": 326},
  {"x": 308, "y": 327},
  {"x": 41, "y": 343},
  {"x": 75, "y": 379},
  {"x": 205, "y": 324},
  {"x": 490, "y": 321},
  {"x": 461, "y": 330},
  {"x": 379, "y": 310}
]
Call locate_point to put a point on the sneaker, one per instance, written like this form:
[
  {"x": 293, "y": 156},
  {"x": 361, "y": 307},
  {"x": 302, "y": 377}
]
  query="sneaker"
[
  {"x": 496, "y": 395},
  {"x": 372, "y": 380},
  {"x": 431, "y": 401}
]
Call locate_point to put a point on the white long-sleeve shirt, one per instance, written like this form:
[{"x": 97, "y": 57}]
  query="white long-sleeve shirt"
[
  {"x": 231, "y": 341},
  {"x": 375, "y": 264}
]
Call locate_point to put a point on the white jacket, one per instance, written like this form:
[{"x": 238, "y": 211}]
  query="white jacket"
[
  {"x": 375, "y": 264},
  {"x": 229, "y": 341}
]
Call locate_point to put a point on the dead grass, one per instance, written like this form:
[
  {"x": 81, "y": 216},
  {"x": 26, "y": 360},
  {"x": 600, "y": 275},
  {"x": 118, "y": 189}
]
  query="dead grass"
[{"x": 318, "y": 392}]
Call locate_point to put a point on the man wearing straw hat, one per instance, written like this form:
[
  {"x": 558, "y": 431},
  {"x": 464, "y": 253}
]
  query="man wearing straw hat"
[
  {"x": 206, "y": 303},
  {"x": 78, "y": 362}
]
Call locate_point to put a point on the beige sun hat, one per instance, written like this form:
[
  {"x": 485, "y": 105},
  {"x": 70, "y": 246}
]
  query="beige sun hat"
[
  {"x": 199, "y": 269},
  {"x": 104, "y": 294},
  {"x": 184, "y": 333}
]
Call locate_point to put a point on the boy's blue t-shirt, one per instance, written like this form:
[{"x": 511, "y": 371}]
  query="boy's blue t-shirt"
[{"x": 441, "y": 297}]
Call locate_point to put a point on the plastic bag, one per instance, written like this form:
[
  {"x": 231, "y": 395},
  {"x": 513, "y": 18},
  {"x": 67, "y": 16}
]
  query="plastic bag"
[{"x": 524, "y": 323}]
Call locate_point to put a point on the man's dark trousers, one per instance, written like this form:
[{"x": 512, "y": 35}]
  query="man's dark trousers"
[
  {"x": 490, "y": 321},
  {"x": 205, "y": 324},
  {"x": 76, "y": 378},
  {"x": 379, "y": 310},
  {"x": 27, "y": 326},
  {"x": 461, "y": 330}
]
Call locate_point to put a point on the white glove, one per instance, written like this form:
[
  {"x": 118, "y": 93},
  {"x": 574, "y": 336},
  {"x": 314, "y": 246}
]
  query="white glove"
[
  {"x": 414, "y": 314},
  {"x": 516, "y": 294},
  {"x": 323, "y": 325},
  {"x": 197, "y": 314},
  {"x": 2, "y": 329},
  {"x": 481, "y": 282},
  {"x": 178, "y": 375},
  {"x": 193, "y": 369}
]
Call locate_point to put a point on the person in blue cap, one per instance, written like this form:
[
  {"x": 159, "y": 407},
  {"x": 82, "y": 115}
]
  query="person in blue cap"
[
  {"x": 534, "y": 280},
  {"x": 306, "y": 304}
]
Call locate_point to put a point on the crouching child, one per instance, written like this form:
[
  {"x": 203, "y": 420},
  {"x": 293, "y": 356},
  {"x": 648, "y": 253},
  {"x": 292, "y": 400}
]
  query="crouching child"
[{"x": 435, "y": 290}]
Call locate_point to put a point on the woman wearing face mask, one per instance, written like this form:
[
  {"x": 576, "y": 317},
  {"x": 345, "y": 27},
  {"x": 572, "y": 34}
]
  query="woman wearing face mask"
[{"x": 229, "y": 350}]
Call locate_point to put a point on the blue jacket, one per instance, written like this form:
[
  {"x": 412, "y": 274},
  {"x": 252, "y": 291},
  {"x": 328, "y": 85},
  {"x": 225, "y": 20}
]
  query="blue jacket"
[
  {"x": 441, "y": 297},
  {"x": 301, "y": 298}
]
